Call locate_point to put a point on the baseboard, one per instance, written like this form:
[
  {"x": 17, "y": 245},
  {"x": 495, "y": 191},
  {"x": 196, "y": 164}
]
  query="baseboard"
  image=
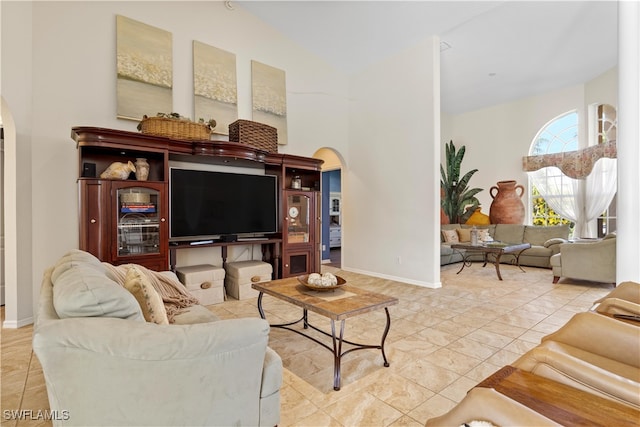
[
  {"x": 395, "y": 278},
  {"x": 325, "y": 261},
  {"x": 15, "y": 324}
]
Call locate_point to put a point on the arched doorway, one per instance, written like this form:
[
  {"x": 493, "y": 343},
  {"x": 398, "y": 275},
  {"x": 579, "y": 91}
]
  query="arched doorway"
[{"x": 332, "y": 202}]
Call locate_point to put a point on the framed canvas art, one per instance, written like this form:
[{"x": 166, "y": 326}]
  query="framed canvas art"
[
  {"x": 269, "y": 98},
  {"x": 145, "y": 69},
  {"x": 214, "y": 86}
]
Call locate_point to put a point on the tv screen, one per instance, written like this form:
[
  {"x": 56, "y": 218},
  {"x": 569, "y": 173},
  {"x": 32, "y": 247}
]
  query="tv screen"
[{"x": 206, "y": 204}]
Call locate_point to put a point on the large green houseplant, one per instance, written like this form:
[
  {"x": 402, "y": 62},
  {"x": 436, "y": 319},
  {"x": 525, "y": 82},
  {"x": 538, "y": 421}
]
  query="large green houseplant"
[{"x": 458, "y": 201}]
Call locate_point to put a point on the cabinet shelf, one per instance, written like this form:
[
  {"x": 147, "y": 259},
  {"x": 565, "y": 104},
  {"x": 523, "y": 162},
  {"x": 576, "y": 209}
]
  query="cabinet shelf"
[{"x": 107, "y": 234}]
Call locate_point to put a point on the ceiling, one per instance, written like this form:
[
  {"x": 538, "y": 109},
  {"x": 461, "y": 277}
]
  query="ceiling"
[{"x": 499, "y": 51}]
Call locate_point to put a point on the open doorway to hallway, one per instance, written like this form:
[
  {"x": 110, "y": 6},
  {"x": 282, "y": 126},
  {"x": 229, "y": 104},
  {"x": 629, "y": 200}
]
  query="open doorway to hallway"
[{"x": 332, "y": 225}]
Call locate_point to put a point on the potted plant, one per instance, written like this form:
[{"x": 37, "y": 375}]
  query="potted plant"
[{"x": 458, "y": 201}]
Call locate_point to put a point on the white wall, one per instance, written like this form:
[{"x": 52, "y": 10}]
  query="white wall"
[
  {"x": 17, "y": 117},
  {"x": 72, "y": 46},
  {"x": 391, "y": 176},
  {"x": 496, "y": 138}
]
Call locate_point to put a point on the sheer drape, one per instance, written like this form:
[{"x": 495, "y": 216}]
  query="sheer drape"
[
  {"x": 559, "y": 191},
  {"x": 579, "y": 200},
  {"x": 600, "y": 189}
]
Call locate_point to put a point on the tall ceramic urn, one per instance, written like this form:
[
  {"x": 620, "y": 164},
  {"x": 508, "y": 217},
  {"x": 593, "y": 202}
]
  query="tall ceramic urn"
[{"x": 507, "y": 206}]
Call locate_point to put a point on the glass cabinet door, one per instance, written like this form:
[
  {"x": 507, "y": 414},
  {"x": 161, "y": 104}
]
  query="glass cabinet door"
[
  {"x": 138, "y": 221},
  {"x": 298, "y": 218}
]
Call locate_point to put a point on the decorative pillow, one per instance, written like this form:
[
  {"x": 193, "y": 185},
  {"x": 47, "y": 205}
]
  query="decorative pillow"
[
  {"x": 81, "y": 290},
  {"x": 483, "y": 233},
  {"x": 464, "y": 234},
  {"x": 450, "y": 236},
  {"x": 150, "y": 301}
]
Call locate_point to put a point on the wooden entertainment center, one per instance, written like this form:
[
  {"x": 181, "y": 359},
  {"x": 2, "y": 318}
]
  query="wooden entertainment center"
[{"x": 127, "y": 221}]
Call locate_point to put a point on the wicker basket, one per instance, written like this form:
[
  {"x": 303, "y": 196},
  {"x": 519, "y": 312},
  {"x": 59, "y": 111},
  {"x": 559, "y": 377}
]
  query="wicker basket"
[
  {"x": 174, "y": 128},
  {"x": 255, "y": 134}
]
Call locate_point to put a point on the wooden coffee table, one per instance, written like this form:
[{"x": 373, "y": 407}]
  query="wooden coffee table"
[
  {"x": 491, "y": 253},
  {"x": 337, "y": 305},
  {"x": 561, "y": 403}
]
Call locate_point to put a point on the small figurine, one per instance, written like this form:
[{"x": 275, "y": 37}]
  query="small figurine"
[{"x": 118, "y": 170}]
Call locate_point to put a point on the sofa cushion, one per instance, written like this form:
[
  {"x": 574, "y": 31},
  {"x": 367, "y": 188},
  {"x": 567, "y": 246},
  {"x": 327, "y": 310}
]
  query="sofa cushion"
[
  {"x": 509, "y": 233},
  {"x": 538, "y": 235},
  {"x": 86, "y": 291},
  {"x": 464, "y": 234},
  {"x": 450, "y": 236},
  {"x": 75, "y": 258},
  {"x": 194, "y": 314},
  {"x": 150, "y": 301}
]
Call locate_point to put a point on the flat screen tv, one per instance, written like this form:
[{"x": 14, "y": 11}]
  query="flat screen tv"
[{"x": 207, "y": 204}]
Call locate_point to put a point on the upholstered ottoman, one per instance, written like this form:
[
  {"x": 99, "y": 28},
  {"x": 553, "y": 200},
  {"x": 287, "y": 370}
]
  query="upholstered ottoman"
[
  {"x": 204, "y": 281},
  {"x": 241, "y": 274}
]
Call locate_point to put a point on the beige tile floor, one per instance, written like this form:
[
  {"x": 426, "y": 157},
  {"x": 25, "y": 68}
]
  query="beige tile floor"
[{"x": 442, "y": 342}]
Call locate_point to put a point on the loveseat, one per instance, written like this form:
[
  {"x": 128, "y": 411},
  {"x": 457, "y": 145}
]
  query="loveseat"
[
  {"x": 104, "y": 364},
  {"x": 545, "y": 242}
]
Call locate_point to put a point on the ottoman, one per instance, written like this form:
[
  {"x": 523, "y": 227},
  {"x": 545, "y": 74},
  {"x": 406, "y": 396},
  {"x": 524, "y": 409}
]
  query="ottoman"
[
  {"x": 204, "y": 281},
  {"x": 241, "y": 274}
]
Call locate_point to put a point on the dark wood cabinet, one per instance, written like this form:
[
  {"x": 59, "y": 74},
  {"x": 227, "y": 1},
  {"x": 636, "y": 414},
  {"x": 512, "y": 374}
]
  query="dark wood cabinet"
[
  {"x": 94, "y": 219},
  {"x": 127, "y": 221},
  {"x": 300, "y": 253}
]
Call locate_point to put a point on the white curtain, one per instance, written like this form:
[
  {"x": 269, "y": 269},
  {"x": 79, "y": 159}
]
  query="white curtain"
[
  {"x": 561, "y": 193},
  {"x": 579, "y": 200},
  {"x": 600, "y": 188}
]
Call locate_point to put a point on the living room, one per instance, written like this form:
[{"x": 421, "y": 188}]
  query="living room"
[
  {"x": 72, "y": 68},
  {"x": 59, "y": 72}
]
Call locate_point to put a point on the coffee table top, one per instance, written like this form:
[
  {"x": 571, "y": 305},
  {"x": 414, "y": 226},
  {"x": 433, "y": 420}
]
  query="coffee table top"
[
  {"x": 559, "y": 402},
  {"x": 342, "y": 303},
  {"x": 502, "y": 247}
]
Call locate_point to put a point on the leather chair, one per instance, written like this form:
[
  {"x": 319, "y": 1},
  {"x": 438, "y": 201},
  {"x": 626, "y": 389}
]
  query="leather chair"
[
  {"x": 593, "y": 353},
  {"x": 486, "y": 404},
  {"x": 624, "y": 299},
  {"x": 594, "y": 261}
]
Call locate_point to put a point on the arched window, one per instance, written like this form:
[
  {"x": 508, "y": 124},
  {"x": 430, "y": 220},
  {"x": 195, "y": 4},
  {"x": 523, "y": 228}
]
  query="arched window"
[
  {"x": 557, "y": 136},
  {"x": 571, "y": 184}
]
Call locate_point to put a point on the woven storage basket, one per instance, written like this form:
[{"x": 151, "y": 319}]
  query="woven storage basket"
[
  {"x": 174, "y": 128},
  {"x": 255, "y": 134}
]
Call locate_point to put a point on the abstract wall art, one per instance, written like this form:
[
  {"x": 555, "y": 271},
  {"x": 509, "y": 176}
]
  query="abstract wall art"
[
  {"x": 214, "y": 85},
  {"x": 269, "y": 98},
  {"x": 145, "y": 69}
]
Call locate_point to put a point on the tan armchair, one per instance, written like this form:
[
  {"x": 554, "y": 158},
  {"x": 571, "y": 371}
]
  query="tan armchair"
[
  {"x": 595, "y": 261},
  {"x": 593, "y": 353}
]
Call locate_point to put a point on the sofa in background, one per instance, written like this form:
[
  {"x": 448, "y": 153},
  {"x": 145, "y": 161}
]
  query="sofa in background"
[
  {"x": 105, "y": 365},
  {"x": 545, "y": 242},
  {"x": 595, "y": 261}
]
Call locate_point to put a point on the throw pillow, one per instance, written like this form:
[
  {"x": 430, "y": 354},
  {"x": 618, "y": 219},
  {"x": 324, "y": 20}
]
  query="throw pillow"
[
  {"x": 464, "y": 234},
  {"x": 483, "y": 234},
  {"x": 450, "y": 236},
  {"x": 150, "y": 301}
]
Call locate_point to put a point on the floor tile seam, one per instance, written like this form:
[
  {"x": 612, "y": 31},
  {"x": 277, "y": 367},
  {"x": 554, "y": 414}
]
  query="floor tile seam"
[{"x": 402, "y": 413}]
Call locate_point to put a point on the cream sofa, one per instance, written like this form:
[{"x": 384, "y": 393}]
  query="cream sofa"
[
  {"x": 105, "y": 365},
  {"x": 595, "y": 261},
  {"x": 545, "y": 242}
]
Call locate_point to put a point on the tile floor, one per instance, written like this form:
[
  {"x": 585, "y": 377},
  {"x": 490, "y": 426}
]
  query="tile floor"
[{"x": 442, "y": 342}]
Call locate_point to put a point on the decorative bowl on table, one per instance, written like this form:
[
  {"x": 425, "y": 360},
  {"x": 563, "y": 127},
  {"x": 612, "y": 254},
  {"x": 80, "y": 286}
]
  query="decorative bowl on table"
[{"x": 324, "y": 282}]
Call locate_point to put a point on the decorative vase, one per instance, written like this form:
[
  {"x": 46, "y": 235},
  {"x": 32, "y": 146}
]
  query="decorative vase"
[
  {"x": 478, "y": 218},
  {"x": 142, "y": 169},
  {"x": 507, "y": 206}
]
